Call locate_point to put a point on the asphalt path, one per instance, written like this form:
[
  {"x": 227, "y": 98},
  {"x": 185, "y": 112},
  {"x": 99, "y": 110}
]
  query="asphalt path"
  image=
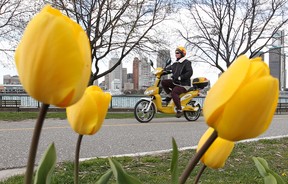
[{"x": 116, "y": 137}]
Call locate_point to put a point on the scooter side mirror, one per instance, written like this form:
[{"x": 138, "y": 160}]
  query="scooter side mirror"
[
  {"x": 168, "y": 62},
  {"x": 151, "y": 63}
]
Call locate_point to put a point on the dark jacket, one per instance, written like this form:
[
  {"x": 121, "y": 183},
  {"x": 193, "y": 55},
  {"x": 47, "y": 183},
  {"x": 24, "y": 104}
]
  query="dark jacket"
[{"x": 182, "y": 72}]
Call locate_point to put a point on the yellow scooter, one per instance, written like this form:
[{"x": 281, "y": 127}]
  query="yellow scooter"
[{"x": 146, "y": 108}]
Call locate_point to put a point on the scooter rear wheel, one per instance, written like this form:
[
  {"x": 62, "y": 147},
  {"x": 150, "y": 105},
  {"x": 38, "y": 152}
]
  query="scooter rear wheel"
[
  {"x": 141, "y": 113},
  {"x": 193, "y": 115}
]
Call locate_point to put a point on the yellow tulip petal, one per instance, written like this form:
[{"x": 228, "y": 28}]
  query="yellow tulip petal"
[
  {"x": 257, "y": 69},
  {"x": 217, "y": 154},
  {"x": 53, "y": 59},
  {"x": 81, "y": 116},
  {"x": 225, "y": 87},
  {"x": 250, "y": 112},
  {"x": 204, "y": 137},
  {"x": 87, "y": 115},
  {"x": 104, "y": 101}
]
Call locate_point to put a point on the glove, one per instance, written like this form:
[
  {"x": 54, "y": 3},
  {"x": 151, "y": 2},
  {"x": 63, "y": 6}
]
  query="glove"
[
  {"x": 179, "y": 78},
  {"x": 165, "y": 72},
  {"x": 175, "y": 80}
]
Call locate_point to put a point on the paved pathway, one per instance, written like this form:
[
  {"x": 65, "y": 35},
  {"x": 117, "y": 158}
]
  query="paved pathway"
[{"x": 117, "y": 137}]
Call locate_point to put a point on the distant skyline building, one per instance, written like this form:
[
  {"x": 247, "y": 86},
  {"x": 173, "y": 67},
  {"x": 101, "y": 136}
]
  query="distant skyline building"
[
  {"x": 115, "y": 74},
  {"x": 11, "y": 84},
  {"x": 277, "y": 59},
  {"x": 116, "y": 84},
  {"x": 136, "y": 63},
  {"x": 275, "y": 64},
  {"x": 130, "y": 77},
  {"x": 8, "y": 79},
  {"x": 144, "y": 73},
  {"x": 106, "y": 80},
  {"x": 129, "y": 84},
  {"x": 124, "y": 77}
]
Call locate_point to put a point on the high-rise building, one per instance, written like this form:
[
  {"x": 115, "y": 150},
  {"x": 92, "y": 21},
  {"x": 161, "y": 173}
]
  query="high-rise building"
[
  {"x": 130, "y": 77},
  {"x": 115, "y": 77},
  {"x": 116, "y": 85},
  {"x": 124, "y": 77},
  {"x": 136, "y": 63},
  {"x": 129, "y": 84},
  {"x": 277, "y": 59},
  {"x": 106, "y": 84},
  {"x": 144, "y": 73}
]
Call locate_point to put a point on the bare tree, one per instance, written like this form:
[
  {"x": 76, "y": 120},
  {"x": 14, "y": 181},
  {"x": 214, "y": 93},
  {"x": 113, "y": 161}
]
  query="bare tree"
[
  {"x": 117, "y": 26},
  {"x": 14, "y": 16},
  {"x": 223, "y": 30}
]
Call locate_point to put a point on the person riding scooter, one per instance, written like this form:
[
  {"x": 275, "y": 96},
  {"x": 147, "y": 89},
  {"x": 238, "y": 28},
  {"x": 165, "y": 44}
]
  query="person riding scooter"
[{"x": 180, "y": 82}]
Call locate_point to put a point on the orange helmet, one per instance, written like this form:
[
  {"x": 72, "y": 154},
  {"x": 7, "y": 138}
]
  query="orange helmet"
[{"x": 182, "y": 50}]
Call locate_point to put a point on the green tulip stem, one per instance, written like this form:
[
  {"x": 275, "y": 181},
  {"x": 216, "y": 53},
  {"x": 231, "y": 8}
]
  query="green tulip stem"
[
  {"x": 193, "y": 162},
  {"x": 77, "y": 153},
  {"x": 200, "y": 174},
  {"x": 34, "y": 143}
]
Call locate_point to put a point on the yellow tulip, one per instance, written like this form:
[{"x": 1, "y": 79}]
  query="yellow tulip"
[
  {"x": 53, "y": 58},
  {"x": 87, "y": 115},
  {"x": 241, "y": 104},
  {"x": 218, "y": 152}
]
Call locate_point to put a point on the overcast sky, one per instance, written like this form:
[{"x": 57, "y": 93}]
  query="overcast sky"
[{"x": 168, "y": 29}]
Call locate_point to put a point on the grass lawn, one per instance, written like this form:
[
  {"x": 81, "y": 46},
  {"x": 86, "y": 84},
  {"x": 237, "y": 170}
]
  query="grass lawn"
[
  {"x": 239, "y": 168},
  {"x": 18, "y": 116}
]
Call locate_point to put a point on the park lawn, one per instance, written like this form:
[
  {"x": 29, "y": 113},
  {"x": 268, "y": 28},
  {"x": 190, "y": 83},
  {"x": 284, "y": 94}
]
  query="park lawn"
[
  {"x": 155, "y": 169},
  {"x": 19, "y": 116}
]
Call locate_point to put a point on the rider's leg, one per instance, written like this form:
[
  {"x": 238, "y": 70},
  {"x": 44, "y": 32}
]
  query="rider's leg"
[
  {"x": 177, "y": 90},
  {"x": 167, "y": 85}
]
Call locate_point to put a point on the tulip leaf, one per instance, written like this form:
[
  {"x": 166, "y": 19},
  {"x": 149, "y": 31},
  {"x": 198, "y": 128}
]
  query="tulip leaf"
[
  {"x": 277, "y": 177},
  {"x": 174, "y": 163},
  {"x": 105, "y": 177},
  {"x": 121, "y": 176},
  {"x": 46, "y": 166},
  {"x": 266, "y": 172},
  {"x": 270, "y": 179},
  {"x": 260, "y": 167}
]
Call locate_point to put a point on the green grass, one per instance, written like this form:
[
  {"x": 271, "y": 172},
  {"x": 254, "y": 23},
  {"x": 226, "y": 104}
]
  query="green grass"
[
  {"x": 239, "y": 168},
  {"x": 19, "y": 116}
]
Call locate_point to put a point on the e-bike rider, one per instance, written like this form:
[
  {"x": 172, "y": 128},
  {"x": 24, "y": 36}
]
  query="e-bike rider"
[{"x": 180, "y": 82}]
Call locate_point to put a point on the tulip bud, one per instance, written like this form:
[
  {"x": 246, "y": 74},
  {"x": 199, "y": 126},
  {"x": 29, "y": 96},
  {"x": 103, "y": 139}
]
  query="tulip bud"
[
  {"x": 241, "y": 104},
  {"x": 87, "y": 115},
  {"x": 218, "y": 152},
  {"x": 53, "y": 58}
]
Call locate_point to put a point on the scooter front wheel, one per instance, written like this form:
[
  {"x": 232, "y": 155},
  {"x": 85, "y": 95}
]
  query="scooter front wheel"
[
  {"x": 193, "y": 115},
  {"x": 142, "y": 113}
]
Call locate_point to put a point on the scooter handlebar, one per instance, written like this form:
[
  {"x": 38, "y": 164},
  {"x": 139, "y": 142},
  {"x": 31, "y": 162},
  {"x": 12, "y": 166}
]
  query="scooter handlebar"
[{"x": 166, "y": 72}]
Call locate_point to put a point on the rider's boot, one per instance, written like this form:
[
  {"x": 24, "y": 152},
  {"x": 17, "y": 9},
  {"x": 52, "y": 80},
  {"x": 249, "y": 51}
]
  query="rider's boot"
[{"x": 179, "y": 113}]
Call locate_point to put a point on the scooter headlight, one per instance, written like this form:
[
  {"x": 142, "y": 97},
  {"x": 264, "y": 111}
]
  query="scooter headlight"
[
  {"x": 148, "y": 92},
  {"x": 157, "y": 70}
]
